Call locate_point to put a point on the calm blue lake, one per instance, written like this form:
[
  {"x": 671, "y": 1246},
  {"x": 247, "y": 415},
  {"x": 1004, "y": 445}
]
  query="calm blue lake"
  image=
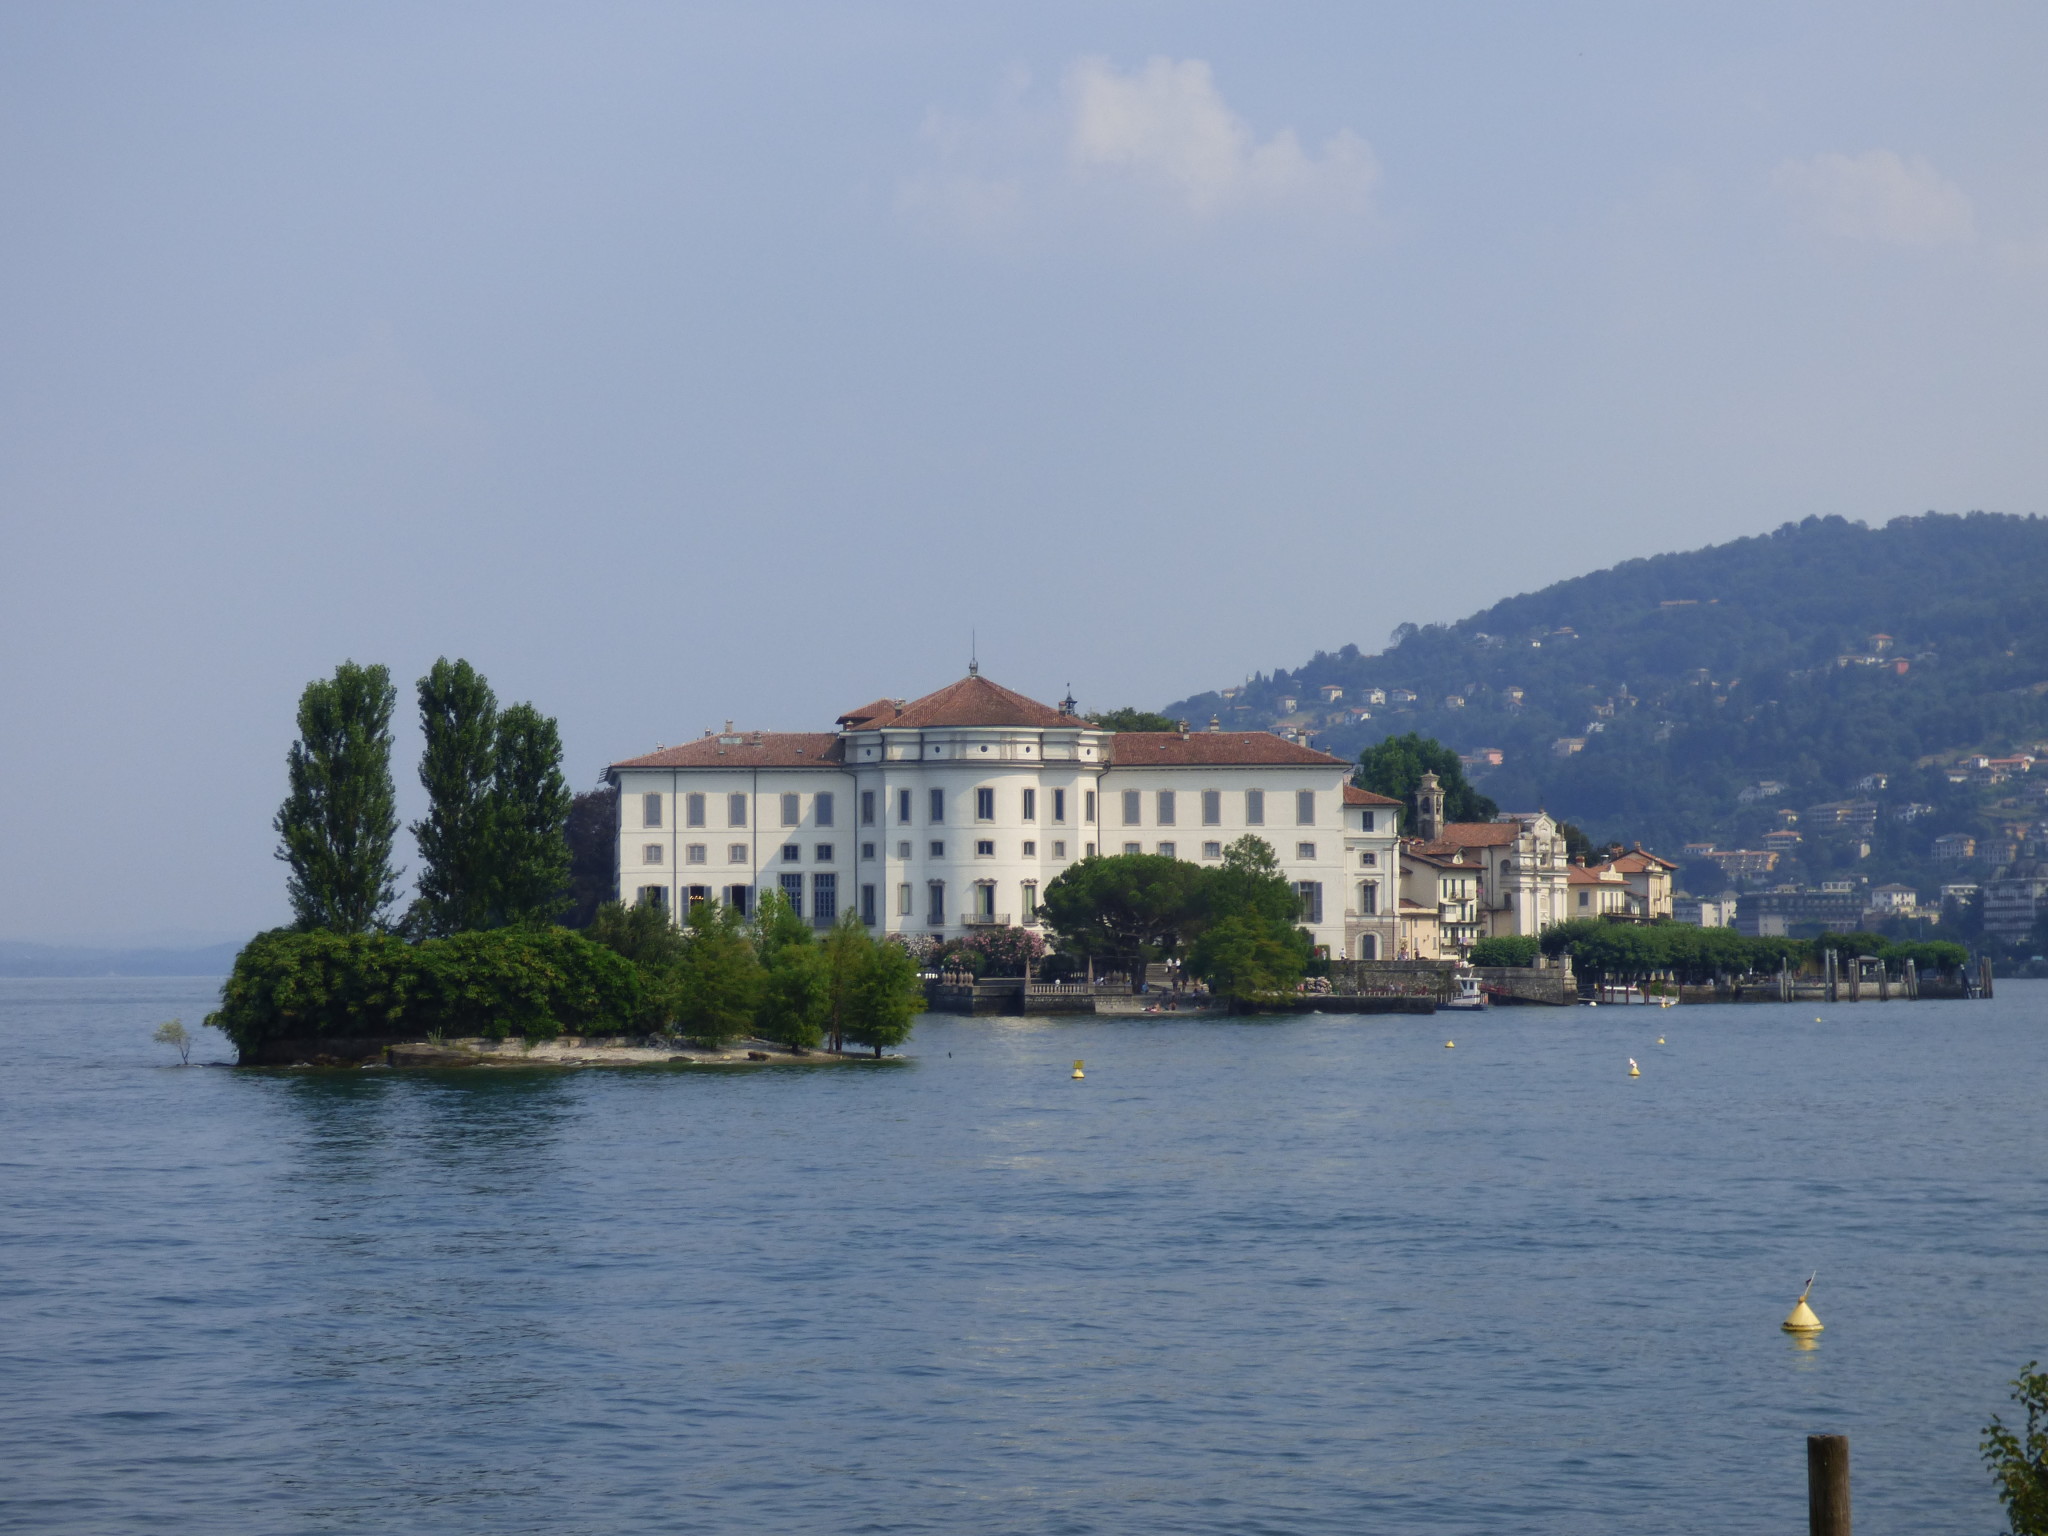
[{"x": 1305, "y": 1275}]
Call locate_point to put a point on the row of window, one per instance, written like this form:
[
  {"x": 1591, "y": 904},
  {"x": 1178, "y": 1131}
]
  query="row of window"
[
  {"x": 1165, "y": 808},
  {"x": 822, "y": 906},
  {"x": 654, "y": 854}
]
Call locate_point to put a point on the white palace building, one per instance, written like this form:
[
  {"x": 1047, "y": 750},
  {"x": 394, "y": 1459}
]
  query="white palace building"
[{"x": 953, "y": 811}]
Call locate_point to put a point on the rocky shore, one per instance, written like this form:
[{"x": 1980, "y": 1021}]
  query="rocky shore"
[{"x": 567, "y": 1051}]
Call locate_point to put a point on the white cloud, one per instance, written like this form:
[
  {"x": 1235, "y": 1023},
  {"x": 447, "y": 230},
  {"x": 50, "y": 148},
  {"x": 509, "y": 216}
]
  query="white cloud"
[
  {"x": 1167, "y": 126},
  {"x": 1157, "y": 141},
  {"x": 1879, "y": 196}
]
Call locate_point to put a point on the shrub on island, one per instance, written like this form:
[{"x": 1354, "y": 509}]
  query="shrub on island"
[{"x": 289, "y": 984}]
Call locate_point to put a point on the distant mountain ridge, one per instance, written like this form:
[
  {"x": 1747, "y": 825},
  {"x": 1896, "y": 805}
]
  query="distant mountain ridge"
[
  {"x": 1642, "y": 700},
  {"x": 65, "y": 960}
]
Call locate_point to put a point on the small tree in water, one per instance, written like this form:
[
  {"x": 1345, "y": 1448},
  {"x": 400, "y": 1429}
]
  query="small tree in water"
[
  {"x": 174, "y": 1033},
  {"x": 2019, "y": 1462}
]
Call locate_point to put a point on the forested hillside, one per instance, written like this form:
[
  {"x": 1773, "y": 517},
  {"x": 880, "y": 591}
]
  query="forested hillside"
[{"x": 1642, "y": 701}]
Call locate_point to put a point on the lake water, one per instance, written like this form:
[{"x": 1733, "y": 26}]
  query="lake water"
[{"x": 1307, "y": 1275}]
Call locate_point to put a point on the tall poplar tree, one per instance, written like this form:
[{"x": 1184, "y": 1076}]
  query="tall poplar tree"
[
  {"x": 336, "y": 825},
  {"x": 529, "y": 820},
  {"x": 459, "y": 716}
]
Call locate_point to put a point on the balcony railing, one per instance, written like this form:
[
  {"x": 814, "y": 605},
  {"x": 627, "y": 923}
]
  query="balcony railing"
[{"x": 985, "y": 920}]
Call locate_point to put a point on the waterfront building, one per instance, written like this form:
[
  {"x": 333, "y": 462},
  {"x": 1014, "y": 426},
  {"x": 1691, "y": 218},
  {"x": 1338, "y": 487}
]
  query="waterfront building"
[
  {"x": 953, "y": 812},
  {"x": 1520, "y": 859}
]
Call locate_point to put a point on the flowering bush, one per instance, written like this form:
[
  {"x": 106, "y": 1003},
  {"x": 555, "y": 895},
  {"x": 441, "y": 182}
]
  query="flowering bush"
[{"x": 994, "y": 952}]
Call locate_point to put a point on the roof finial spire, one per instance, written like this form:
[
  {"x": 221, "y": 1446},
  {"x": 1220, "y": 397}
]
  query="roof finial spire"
[{"x": 973, "y": 654}]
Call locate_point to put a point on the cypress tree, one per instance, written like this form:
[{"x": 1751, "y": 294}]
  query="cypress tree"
[
  {"x": 529, "y": 819},
  {"x": 459, "y": 717},
  {"x": 336, "y": 825}
]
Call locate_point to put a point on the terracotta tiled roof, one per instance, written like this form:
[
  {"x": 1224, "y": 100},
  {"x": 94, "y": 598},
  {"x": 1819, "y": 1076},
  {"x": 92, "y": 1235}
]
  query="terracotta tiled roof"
[
  {"x": 751, "y": 749},
  {"x": 1417, "y": 908},
  {"x": 1639, "y": 859},
  {"x": 1437, "y": 856},
  {"x": 975, "y": 700},
  {"x": 1136, "y": 749},
  {"x": 868, "y": 716},
  {"x": 1353, "y": 795},
  {"x": 1475, "y": 834}
]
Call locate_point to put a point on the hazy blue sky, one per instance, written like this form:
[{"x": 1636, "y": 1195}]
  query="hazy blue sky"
[{"x": 676, "y": 363}]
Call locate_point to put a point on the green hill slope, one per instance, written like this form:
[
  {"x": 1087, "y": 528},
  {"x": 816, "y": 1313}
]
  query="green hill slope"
[{"x": 1814, "y": 657}]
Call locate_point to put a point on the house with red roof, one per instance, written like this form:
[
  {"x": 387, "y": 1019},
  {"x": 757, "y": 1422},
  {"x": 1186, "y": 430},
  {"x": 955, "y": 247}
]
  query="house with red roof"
[{"x": 952, "y": 812}]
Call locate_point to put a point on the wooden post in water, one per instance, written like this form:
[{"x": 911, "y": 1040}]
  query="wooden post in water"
[
  {"x": 1984, "y": 974},
  {"x": 1912, "y": 978},
  {"x": 1827, "y": 1485}
]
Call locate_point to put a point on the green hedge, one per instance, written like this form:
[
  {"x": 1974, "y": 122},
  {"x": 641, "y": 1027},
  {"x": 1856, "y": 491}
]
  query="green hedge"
[
  {"x": 1628, "y": 950},
  {"x": 534, "y": 982},
  {"x": 1507, "y": 949}
]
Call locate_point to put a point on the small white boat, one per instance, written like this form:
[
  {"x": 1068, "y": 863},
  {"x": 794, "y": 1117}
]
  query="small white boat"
[{"x": 1469, "y": 995}]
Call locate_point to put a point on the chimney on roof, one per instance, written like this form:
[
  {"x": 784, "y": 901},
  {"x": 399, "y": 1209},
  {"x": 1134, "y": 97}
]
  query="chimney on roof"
[
  {"x": 1183, "y": 730},
  {"x": 1215, "y": 722}
]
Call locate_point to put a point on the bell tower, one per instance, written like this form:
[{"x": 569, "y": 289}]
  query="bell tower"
[{"x": 1429, "y": 809}]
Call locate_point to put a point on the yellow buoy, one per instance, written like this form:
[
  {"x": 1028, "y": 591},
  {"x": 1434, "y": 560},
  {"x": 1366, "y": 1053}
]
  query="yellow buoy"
[
  {"x": 1660, "y": 1039},
  {"x": 1450, "y": 1045},
  {"x": 1802, "y": 1319},
  {"x": 1633, "y": 1069},
  {"x": 1077, "y": 1070}
]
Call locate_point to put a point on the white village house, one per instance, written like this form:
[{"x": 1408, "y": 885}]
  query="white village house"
[{"x": 954, "y": 811}]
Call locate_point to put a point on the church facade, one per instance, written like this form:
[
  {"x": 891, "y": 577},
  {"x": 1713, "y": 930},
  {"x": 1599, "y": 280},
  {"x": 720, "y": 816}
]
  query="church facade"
[{"x": 952, "y": 813}]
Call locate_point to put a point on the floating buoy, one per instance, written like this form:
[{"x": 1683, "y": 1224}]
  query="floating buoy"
[
  {"x": 1660, "y": 1039},
  {"x": 1450, "y": 1045},
  {"x": 1077, "y": 1070},
  {"x": 1633, "y": 1069},
  {"x": 1802, "y": 1319}
]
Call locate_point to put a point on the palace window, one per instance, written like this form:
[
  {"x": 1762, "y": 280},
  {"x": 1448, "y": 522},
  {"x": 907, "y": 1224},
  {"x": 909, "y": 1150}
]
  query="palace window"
[
  {"x": 1031, "y": 850},
  {"x": 903, "y": 807},
  {"x": 1255, "y": 807},
  {"x": 792, "y": 810},
  {"x": 935, "y": 903},
  {"x": 793, "y": 893},
  {"x": 1134, "y": 847},
  {"x": 938, "y": 806},
  {"x": 653, "y": 896},
  {"x": 650, "y": 853},
  {"x": 735, "y": 853},
  {"x": 1059, "y": 805},
  {"x": 1166, "y": 807},
  {"x": 1304, "y": 808},
  {"x": 867, "y": 807},
  {"x": 1030, "y": 903},
  {"x": 867, "y": 850},
  {"x": 1088, "y": 806},
  {"x": 1304, "y": 850},
  {"x": 821, "y": 810},
  {"x": 1365, "y": 820},
  {"x": 735, "y": 810},
  {"x": 903, "y": 900},
  {"x": 822, "y": 854},
  {"x": 984, "y": 805},
  {"x": 1369, "y": 860},
  {"x": 903, "y": 850},
  {"x": 1308, "y": 900},
  {"x": 867, "y": 906},
  {"x": 1368, "y": 897},
  {"x": 938, "y": 850},
  {"x": 698, "y": 895},
  {"x": 1212, "y": 807},
  {"x": 650, "y": 810},
  {"x": 696, "y": 853},
  {"x": 693, "y": 810},
  {"x": 1169, "y": 850},
  {"x": 740, "y": 898},
  {"x": 1133, "y": 808},
  {"x": 824, "y": 898},
  {"x": 1212, "y": 850},
  {"x": 985, "y": 848},
  {"x": 792, "y": 854},
  {"x": 1087, "y": 850},
  {"x": 1031, "y": 805},
  {"x": 1059, "y": 850}
]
